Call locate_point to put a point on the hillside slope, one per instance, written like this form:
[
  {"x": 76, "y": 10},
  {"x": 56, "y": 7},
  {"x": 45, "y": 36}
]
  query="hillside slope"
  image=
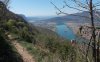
[{"x": 44, "y": 44}]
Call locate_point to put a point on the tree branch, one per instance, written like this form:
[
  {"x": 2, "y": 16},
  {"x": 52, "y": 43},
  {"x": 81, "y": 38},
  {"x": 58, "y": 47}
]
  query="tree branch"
[{"x": 61, "y": 12}]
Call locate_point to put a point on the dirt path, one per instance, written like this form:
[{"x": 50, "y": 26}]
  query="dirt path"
[{"x": 22, "y": 51}]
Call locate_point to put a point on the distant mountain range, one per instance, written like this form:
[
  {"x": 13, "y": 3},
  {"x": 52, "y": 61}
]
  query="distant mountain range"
[{"x": 77, "y": 17}]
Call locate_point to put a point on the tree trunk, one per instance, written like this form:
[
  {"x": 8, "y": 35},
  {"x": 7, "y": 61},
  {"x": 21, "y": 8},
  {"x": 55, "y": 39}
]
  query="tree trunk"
[{"x": 93, "y": 32}]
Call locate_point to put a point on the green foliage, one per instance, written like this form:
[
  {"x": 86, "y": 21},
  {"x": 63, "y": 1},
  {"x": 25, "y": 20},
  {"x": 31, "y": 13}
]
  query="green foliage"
[
  {"x": 67, "y": 52},
  {"x": 21, "y": 23},
  {"x": 52, "y": 45},
  {"x": 25, "y": 34},
  {"x": 11, "y": 23},
  {"x": 97, "y": 27},
  {"x": 50, "y": 49},
  {"x": 57, "y": 51},
  {"x": 1, "y": 31}
]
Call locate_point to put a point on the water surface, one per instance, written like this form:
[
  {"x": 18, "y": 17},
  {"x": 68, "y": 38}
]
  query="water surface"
[{"x": 64, "y": 31}]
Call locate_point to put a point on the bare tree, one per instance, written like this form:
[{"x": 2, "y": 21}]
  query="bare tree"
[
  {"x": 6, "y": 2},
  {"x": 92, "y": 6}
]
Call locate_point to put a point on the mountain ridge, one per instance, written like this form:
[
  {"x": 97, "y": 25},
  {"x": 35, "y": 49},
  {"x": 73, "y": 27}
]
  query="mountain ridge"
[{"x": 77, "y": 17}]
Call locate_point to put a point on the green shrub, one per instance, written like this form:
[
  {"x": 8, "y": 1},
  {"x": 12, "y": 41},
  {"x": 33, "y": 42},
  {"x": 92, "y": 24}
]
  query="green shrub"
[
  {"x": 25, "y": 34},
  {"x": 11, "y": 23},
  {"x": 52, "y": 45}
]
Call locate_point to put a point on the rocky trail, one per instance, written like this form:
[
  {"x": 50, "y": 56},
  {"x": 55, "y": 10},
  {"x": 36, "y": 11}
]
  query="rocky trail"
[{"x": 21, "y": 50}]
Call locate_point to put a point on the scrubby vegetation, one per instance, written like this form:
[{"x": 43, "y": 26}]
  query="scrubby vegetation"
[
  {"x": 51, "y": 50},
  {"x": 45, "y": 45}
]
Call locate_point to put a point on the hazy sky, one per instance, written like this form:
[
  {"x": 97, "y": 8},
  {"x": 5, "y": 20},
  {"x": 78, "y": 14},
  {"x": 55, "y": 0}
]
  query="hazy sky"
[
  {"x": 37, "y": 7},
  {"x": 34, "y": 7}
]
